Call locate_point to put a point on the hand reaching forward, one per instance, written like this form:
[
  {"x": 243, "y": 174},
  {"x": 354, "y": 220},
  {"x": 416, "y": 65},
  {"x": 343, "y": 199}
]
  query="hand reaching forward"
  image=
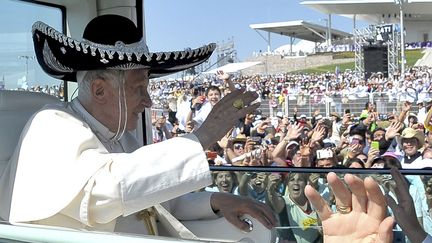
[
  {"x": 224, "y": 115},
  {"x": 361, "y": 214},
  {"x": 404, "y": 210}
]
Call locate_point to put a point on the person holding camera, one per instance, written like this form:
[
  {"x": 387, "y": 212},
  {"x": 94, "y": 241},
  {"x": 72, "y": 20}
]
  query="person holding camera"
[
  {"x": 201, "y": 105},
  {"x": 160, "y": 129}
]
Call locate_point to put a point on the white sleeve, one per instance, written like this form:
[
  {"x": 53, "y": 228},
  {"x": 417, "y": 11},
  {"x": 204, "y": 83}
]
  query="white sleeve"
[
  {"x": 191, "y": 206},
  {"x": 148, "y": 176}
]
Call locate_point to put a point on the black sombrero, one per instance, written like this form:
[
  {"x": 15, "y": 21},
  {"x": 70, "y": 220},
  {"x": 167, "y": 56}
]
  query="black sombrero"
[{"x": 109, "y": 42}]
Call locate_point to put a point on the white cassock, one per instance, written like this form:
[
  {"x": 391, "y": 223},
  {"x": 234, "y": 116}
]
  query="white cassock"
[{"x": 66, "y": 172}]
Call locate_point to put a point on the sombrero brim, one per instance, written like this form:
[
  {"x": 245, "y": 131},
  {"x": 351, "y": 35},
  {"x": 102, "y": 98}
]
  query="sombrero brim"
[{"x": 61, "y": 56}]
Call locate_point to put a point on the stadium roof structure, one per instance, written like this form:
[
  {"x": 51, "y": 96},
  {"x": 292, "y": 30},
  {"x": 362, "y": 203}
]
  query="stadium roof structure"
[
  {"x": 233, "y": 67},
  {"x": 300, "y": 29},
  {"x": 374, "y": 10}
]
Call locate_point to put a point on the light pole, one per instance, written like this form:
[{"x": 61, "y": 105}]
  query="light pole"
[
  {"x": 402, "y": 30},
  {"x": 327, "y": 30},
  {"x": 27, "y": 58}
]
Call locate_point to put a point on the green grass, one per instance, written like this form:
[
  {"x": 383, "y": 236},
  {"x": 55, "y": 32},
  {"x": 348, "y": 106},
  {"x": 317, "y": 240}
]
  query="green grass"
[
  {"x": 328, "y": 68},
  {"x": 411, "y": 57}
]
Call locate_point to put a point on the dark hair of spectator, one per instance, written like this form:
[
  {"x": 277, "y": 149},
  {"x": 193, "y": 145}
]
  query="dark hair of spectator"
[
  {"x": 212, "y": 88},
  {"x": 349, "y": 162},
  {"x": 233, "y": 175},
  {"x": 368, "y": 103},
  {"x": 302, "y": 176},
  {"x": 356, "y": 130},
  {"x": 389, "y": 162},
  {"x": 376, "y": 130}
]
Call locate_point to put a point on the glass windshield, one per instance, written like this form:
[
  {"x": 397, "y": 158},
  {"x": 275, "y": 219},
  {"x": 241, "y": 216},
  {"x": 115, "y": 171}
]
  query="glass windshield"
[
  {"x": 19, "y": 69},
  {"x": 298, "y": 221}
]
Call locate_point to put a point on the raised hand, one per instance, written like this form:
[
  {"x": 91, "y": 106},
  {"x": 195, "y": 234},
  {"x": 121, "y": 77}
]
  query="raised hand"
[
  {"x": 294, "y": 132},
  {"x": 393, "y": 130},
  {"x": 406, "y": 106},
  {"x": 222, "y": 75},
  {"x": 224, "y": 115},
  {"x": 361, "y": 211},
  {"x": 318, "y": 134}
]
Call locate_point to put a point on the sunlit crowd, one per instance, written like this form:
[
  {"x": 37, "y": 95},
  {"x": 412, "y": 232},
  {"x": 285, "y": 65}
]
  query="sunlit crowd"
[{"x": 339, "y": 139}]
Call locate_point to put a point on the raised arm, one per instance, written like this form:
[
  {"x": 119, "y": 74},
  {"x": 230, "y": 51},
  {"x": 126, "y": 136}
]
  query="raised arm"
[{"x": 226, "y": 78}]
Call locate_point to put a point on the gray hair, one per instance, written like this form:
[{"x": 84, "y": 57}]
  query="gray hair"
[{"x": 85, "y": 79}]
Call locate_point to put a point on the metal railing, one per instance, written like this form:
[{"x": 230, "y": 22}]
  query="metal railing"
[{"x": 385, "y": 103}]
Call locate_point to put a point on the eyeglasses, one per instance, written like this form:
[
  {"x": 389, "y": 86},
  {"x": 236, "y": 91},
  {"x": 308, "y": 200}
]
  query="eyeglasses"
[{"x": 238, "y": 146}]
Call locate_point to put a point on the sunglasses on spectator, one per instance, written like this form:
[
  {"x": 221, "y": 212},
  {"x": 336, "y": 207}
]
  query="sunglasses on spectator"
[{"x": 238, "y": 146}]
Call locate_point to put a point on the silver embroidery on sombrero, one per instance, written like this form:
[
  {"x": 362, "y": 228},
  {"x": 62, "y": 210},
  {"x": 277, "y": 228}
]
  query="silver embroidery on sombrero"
[
  {"x": 159, "y": 56},
  {"x": 138, "y": 50},
  {"x": 128, "y": 66},
  {"x": 120, "y": 48},
  {"x": 52, "y": 62}
]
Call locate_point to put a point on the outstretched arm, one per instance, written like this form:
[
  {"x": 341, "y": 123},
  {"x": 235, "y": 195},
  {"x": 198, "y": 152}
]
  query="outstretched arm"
[
  {"x": 226, "y": 78},
  {"x": 232, "y": 207},
  {"x": 404, "y": 210}
]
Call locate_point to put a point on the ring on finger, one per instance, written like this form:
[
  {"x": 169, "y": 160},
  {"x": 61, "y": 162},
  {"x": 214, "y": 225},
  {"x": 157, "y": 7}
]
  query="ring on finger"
[
  {"x": 343, "y": 209},
  {"x": 238, "y": 104}
]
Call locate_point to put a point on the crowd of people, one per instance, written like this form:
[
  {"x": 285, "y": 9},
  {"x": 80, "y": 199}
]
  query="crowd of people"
[
  {"x": 342, "y": 140},
  {"x": 283, "y": 92}
]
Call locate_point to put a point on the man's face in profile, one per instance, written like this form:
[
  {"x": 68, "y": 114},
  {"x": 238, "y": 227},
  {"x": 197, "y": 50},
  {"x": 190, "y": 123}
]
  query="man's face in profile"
[{"x": 136, "y": 95}]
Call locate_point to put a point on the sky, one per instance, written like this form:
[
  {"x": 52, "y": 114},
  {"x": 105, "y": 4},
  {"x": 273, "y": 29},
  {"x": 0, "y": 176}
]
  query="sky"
[
  {"x": 170, "y": 25},
  {"x": 175, "y": 25}
]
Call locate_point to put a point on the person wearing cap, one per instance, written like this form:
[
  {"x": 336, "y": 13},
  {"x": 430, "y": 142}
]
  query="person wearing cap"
[
  {"x": 90, "y": 172},
  {"x": 236, "y": 147},
  {"x": 411, "y": 141},
  {"x": 279, "y": 115},
  {"x": 302, "y": 121}
]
